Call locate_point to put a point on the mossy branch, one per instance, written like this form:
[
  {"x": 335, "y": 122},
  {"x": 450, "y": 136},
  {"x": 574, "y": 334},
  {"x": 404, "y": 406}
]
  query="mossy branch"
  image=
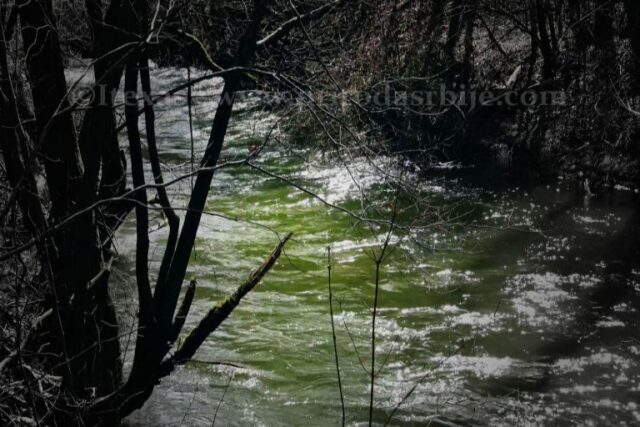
[{"x": 219, "y": 313}]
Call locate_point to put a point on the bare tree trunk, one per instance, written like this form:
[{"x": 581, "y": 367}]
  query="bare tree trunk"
[
  {"x": 56, "y": 136},
  {"x": 469, "y": 52},
  {"x": 88, "y": 319},
  {"x": 435, "y": 18},
  {"x": 157, "y": 328},
  {"x": 53, "y": 116},
  {"x": 549, "y": 55},
  {"x": 113, "y": 42},
  {"x": 455, "y": 29},
  {"x": 14, "y": 143}
]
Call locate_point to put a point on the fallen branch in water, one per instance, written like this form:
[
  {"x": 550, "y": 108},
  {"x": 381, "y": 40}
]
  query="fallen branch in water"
[{"x": 219, "y": 314}]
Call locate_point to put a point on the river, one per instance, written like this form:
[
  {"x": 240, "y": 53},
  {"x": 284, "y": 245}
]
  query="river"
[{"x": 525, "y": 313}]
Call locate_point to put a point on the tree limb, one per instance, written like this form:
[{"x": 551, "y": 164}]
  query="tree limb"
[
  {"x": 219, "y": 314},
  {"x": 184, "y": 309}
]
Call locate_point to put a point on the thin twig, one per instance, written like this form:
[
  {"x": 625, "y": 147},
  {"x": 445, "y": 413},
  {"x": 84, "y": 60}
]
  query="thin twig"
[
  {"x": 224, "y": 393},
  {"x": 374, "y": 314},
  {"x": 333, "y": 333}
]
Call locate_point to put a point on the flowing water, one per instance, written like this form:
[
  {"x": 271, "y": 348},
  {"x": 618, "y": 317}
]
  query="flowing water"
[{"x": 526, "y": 315}]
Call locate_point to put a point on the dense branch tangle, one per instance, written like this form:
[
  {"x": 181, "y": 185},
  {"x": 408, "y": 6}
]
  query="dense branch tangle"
[{"x": 86, "y": 169}]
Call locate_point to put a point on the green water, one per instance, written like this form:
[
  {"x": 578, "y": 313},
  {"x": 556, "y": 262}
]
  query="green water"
[{"x": 525, "y": 313}]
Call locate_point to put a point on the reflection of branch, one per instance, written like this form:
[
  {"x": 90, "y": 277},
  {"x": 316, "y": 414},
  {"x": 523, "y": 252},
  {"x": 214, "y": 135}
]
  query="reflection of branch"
[
  {"x": 219, "y": 314},
  {"x": 217, "y": 363}
]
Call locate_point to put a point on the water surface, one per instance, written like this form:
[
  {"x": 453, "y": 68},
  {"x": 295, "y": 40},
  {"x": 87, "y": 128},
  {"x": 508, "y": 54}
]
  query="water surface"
[{"x": 524, "y": 313}]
